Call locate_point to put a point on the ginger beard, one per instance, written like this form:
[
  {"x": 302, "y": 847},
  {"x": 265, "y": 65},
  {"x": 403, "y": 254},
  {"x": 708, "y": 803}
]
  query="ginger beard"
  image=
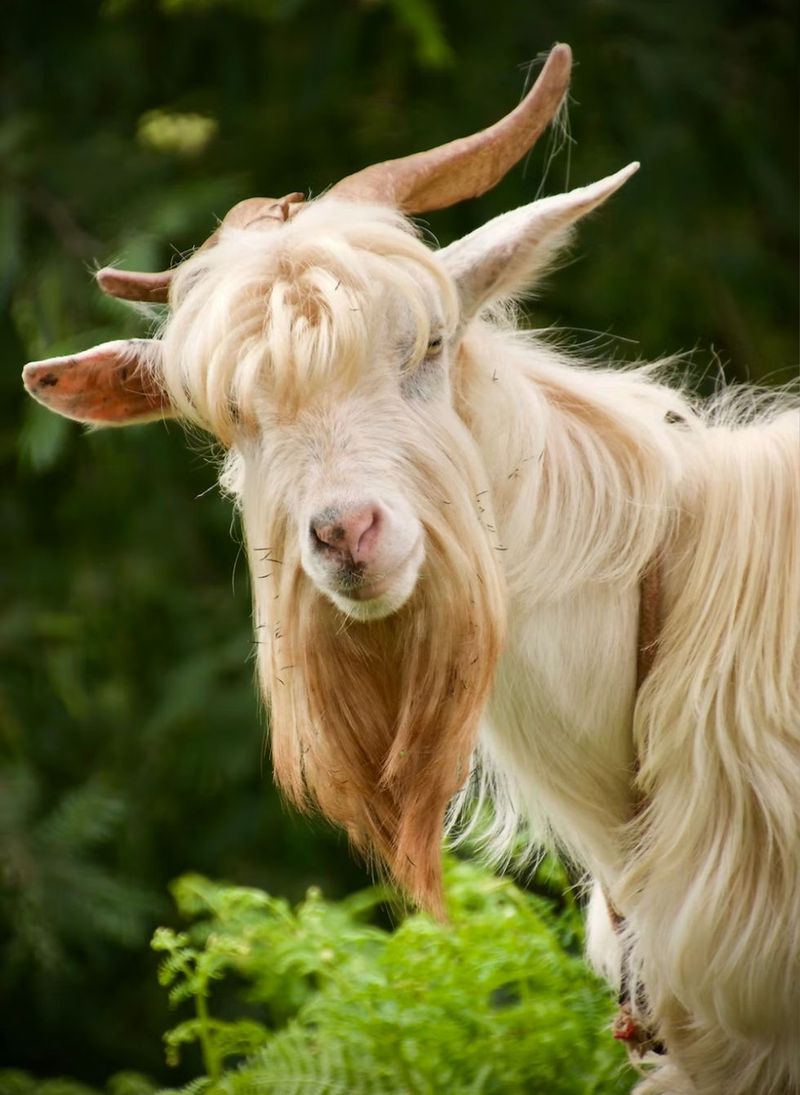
[{"x": 375, "y": 721}]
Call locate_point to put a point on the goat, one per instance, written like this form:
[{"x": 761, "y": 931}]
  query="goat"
[{"x": 448, "y": 521}]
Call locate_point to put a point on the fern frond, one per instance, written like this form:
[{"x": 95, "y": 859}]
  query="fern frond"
[{"x": 496, "y": 1002}]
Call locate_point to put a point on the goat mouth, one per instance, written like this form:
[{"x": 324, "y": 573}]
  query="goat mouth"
[
  {"x": 360, "y": 588},
  {"x": 368, "y": 592}
]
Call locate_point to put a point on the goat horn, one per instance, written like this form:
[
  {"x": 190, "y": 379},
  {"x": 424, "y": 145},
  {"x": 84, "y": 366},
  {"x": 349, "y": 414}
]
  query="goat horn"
[
  {"x": 130, "y": 285},
  {"x": 468, "y": 167},
  {"x": 435, "y": 179}
]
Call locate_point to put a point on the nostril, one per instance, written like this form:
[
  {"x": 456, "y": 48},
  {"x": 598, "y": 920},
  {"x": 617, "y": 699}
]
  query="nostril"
[{"x": 326, "y": 533}]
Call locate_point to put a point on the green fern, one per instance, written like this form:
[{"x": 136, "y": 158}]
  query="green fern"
[{"x": 493, "y": 1002}]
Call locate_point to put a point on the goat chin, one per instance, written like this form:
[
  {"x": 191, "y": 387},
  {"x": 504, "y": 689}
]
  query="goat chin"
[{"x": 389, "y": 597}]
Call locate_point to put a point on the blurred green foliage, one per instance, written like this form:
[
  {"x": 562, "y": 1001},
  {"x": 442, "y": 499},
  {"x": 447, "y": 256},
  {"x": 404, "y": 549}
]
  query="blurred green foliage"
[{"x": 131, "y": 745}]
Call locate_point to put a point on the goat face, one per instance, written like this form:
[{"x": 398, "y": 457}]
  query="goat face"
[{"x": 324, "y": 361}]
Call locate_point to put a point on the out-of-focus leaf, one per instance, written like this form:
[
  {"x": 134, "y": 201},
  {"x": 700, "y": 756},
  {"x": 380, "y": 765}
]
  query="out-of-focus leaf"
[
  {"x": 85, "y": 817},
  {"x": 421, "y": 19},
  {"x": 267, "y": 10},
  {"x": 181, "y": 134},
  {"x": 42, "y": 437},
  {"x": 10, "y": 240}
]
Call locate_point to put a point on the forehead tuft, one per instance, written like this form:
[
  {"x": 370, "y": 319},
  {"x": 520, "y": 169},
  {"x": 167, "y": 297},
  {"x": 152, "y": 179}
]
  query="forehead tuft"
[{"x": 275, "y": 314}]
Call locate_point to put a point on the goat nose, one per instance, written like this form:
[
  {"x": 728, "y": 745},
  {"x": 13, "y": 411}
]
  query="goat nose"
[{"x": 351, "y": 533}]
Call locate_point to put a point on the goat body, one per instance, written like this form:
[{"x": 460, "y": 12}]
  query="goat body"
[
  {"x": 707, "y": 873},
  {"x": 543, "y": 488}
]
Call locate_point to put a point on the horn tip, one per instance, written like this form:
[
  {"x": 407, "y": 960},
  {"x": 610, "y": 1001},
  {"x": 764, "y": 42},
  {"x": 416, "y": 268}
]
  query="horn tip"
[
  {"x": 555, "y": 75},
  {"x": 559, "y": 61},
  {"x": 562, "y": 52},
  {"x": 108, "y": 279}
]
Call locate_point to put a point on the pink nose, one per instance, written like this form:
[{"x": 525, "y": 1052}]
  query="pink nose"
[{"x": 352, "y": 534}]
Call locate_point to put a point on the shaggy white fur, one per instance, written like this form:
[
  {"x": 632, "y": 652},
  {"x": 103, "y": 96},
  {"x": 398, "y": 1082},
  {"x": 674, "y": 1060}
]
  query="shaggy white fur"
[{"x": 708, "y": 877}]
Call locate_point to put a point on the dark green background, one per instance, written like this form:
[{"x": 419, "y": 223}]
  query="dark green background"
[{"x": 131, "y": 743}]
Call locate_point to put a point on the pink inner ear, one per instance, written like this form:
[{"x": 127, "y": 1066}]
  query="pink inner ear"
[{"x": 111, "y": 383}]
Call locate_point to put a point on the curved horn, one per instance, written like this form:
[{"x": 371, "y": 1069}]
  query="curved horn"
[
  {"x": 129, "y": 285},
  {"x": 468, "y": 167},
  {"x": 154, "y": 288}
]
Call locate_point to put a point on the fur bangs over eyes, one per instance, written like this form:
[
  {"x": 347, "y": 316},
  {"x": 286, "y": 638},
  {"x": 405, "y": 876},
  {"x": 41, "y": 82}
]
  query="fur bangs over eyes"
[{"x": 254, "y": 323}]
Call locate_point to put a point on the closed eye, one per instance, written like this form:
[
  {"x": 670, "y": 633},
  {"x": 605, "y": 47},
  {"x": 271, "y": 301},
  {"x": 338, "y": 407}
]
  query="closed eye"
[{"x": 435, "y": 345}]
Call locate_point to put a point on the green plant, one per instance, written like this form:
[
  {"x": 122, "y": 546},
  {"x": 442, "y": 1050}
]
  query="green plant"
[{"x": 497, "y": 1000}]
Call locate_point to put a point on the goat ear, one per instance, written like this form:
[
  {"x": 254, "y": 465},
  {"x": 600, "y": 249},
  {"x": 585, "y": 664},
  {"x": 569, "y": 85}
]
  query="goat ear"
[
  {"x": 503, "y": 256},
  {"x": 114, "y": 384}
]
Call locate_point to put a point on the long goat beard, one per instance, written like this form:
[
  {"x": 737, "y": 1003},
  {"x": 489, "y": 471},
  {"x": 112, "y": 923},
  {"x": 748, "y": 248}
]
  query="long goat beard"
[{"x": 375, "y": 723}]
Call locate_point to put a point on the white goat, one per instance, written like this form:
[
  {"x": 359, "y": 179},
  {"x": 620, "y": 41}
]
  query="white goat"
[{"x": 448, "y": 522}]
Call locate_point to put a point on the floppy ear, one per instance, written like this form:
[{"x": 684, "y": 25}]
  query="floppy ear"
[
  {"x": 114, "y": 384},
  {"x": 501, "y": 257}
]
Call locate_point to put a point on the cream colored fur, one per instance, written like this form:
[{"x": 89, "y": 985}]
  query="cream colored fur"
[
  {"x": 543, "y": 488},
  {"x": 709, "y": 877}
]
